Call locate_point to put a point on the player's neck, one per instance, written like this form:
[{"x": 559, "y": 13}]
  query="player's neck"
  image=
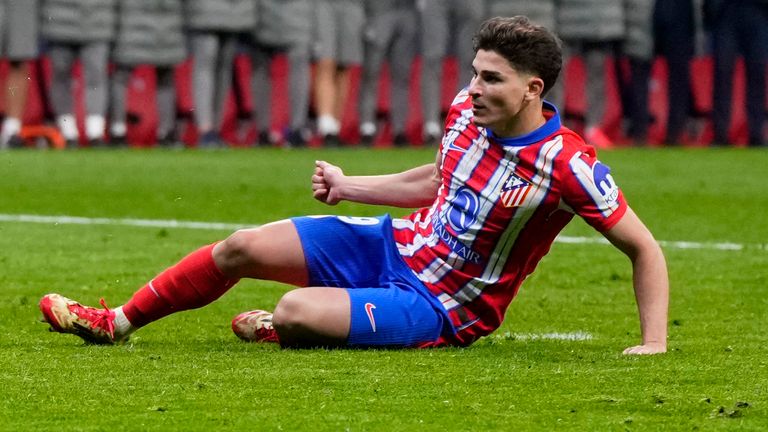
[{"x": 528, "y": 119}]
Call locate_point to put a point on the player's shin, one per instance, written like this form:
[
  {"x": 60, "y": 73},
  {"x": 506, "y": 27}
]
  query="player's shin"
[{"x": 193, "y": 282}]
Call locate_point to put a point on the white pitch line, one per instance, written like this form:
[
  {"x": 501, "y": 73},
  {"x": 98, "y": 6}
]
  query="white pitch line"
[
  {"x": 146, "y": 223},
  {"x": 573, "y": 337},
  {"x": 223, "y": 226},
  {"x": 724, "y": 246}
]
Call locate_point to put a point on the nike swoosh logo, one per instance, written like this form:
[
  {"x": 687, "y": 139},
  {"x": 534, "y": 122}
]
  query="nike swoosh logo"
[
  {"x": 453, "y": 146},
  {"x": 369, "y": 307}
]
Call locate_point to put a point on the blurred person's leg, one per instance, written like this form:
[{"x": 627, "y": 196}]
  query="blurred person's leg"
[
  {"x": 261, "y": 88},
  {"x": 224, "y": 74},
  {"x": 724, "y": 51},
  {"x": 378, "y": 36},
  {"x": 556, "y": 94},
  {"x": 16, "y": 91},
  {"x": 595, "y": 55},
  {"x": 205, "y": 50},
  {"x": 62, "y": 57},
  {"x": 298, "y": 91},
  {"x": 166, "y": 105},
  {"x": 434, "y": 46},
  {"x": 638, "y": 112},
  {"x": 95, "y": 57},
  {"x": 325, "y": 69},
  {"x": 679, "y": 94},
  {"x": 325, "y": 97},
  {"x": 20, "y": 47},
  {"x": 118, "y": 103},
  {"x": 341, "y": 83},
  {"x": 298, "y": 19},
  {"x": 350, "y": 19},
  {"x": 400, "y": 65},
  {"x": 674, "y": 35},
  {"x": 467, "y": 15},
  {"x": 753, "y": 19},
  {"x": 594, "y": 61}
]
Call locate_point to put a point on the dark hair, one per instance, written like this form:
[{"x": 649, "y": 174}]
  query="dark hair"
[{"x": 528, "y": 47}]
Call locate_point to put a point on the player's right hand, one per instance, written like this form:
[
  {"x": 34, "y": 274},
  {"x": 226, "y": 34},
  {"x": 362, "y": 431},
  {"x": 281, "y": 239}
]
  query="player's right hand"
[{"x": 325, "y": 183}]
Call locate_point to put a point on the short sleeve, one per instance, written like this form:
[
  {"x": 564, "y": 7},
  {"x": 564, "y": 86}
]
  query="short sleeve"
[{"x": 591, "y": 192}]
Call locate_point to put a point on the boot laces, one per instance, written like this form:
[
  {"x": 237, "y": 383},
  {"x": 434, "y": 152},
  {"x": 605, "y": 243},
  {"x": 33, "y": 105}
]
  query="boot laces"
[{"x": 98, "y": 319}]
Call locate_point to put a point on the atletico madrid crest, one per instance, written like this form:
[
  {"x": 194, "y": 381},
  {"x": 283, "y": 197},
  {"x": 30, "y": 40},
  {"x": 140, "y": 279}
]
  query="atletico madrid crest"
[{"x": 514, "y": 191}]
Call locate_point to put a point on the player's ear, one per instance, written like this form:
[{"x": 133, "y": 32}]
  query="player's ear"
[{"x": 535, "y": 88}]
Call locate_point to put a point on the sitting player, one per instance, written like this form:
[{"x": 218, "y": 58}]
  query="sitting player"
[{"x": 507, "y": 179}]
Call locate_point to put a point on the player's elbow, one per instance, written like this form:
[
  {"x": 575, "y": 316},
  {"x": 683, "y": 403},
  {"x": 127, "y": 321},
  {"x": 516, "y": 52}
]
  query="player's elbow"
[{"x": 646, "y": 250}]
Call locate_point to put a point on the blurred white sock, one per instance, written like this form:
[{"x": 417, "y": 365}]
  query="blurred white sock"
[
  {"x": 368, "y": 128},
  {"x": 94, "y": 126},
  {"x": 11, "y": 127},
  {"x": 327, "y": 125},
  {"x": 67, "y": 126},
  {"x": 118, "y": 129},
  {"x": 432, "y": 129}
]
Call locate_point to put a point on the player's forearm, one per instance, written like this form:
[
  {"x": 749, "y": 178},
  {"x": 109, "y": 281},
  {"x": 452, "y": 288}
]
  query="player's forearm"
[
  {"x": 416, "y": 187},
  {"x": 652, "y": 294}
]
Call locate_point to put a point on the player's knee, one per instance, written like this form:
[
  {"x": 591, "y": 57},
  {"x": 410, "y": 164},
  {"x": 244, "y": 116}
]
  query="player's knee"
[
  {"x": 239, "y": 252},
  {"x": 290, "y": 313},
  {"x": 301, "y": 321}
]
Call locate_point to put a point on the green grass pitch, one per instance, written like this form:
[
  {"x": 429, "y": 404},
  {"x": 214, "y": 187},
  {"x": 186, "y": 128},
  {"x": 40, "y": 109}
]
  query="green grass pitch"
[{"x": 189, "y": 372}]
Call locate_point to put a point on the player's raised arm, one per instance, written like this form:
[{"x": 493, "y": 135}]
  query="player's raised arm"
[
  {"x": 649, "y": 279},
  {"x": 416, "y": 187}
]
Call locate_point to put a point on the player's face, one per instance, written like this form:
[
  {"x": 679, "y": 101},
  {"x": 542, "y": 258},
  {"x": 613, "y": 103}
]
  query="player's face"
[{"x": 499, "y": 93}]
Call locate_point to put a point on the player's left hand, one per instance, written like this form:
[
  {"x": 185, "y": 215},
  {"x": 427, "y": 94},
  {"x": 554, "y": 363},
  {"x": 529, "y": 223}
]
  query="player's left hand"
[{"x": 646, "y": 349}]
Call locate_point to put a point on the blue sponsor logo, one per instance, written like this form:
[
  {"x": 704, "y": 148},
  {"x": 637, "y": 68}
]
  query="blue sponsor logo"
[
  {"x": 462, "y": 212},
  {"x": 604, "y": 182},
  {"x": 454, "y": 243}
]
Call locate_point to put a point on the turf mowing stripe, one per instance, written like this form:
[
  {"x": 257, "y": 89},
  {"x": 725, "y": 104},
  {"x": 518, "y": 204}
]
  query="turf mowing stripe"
[{"x": 172, "y": 223}]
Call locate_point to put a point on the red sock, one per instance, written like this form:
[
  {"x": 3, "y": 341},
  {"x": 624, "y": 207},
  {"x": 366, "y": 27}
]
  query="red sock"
[{"x": 193, "y": 282}]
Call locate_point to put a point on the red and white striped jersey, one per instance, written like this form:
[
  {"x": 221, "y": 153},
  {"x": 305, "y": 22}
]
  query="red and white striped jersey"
[{"x": 501, "y": 204}]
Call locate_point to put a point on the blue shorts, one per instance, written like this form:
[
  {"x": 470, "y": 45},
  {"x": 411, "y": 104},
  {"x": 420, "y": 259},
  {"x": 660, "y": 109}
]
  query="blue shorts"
[{"x": 390, "y": 307}]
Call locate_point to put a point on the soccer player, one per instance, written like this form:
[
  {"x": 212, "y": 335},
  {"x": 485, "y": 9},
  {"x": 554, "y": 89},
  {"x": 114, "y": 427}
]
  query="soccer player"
[{"x": 508, "y": 177}]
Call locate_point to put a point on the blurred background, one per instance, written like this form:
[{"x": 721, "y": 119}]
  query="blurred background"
[{"x": 296, "y": 73}]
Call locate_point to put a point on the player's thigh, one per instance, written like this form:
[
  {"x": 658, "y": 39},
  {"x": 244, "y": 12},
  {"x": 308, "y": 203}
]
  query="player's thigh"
[{"x": 272, "y": 251}]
